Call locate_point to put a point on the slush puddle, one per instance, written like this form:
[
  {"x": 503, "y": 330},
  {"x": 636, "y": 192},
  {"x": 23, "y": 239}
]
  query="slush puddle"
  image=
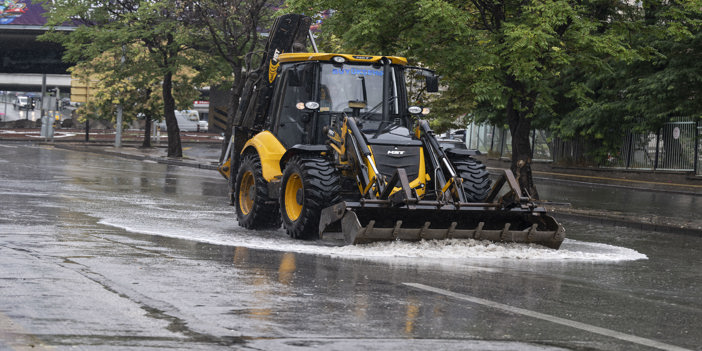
[{"x": 217, "y": 225}]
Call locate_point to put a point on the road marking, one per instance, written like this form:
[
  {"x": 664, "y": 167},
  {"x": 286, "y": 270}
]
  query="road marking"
[{"x": 567, "y": 322}]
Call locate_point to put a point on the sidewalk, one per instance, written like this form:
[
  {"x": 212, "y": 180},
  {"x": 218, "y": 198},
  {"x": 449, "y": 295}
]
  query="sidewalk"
[
  {"x": 662, "y": 181},
  {"x": 72, "y": 135}
]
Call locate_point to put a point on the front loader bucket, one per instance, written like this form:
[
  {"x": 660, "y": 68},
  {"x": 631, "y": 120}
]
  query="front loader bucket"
[{"x": 363, "y": 223}]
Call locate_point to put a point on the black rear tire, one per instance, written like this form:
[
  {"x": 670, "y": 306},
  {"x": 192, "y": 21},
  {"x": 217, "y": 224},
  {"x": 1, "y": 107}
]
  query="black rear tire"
[
  {"x": 309, "y": 184},
  {"x": 476, "y": 179},
  {"x": 254, "y": 209}
]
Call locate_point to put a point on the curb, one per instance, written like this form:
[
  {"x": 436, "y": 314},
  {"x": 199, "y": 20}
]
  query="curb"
[
  {"x": 620, "y": 186},
  {"x": 162, "y": 160}
]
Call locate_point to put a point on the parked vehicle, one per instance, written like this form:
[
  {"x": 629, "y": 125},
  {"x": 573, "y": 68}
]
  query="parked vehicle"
[
  {"x": 22, "y": 103},
  {"x": 188, "y": 121}
]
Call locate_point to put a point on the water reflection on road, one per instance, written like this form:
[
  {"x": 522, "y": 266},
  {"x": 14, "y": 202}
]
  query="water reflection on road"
[
  {"x": 140, "y": 236},
  {"x": 621, "y": 199}
]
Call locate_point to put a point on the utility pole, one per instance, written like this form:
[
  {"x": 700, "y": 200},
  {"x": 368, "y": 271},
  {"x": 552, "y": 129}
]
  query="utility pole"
[
  {"x": 43, "y": 95},
  {"x": 118, "y": 134},
  {"x": 57, "y": 108}
]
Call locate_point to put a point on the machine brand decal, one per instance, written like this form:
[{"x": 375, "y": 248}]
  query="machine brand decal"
[
  {"x": 363, "y": 57},
  {"x": 273, "y": 66},
  {"x": 357, "y": 72},
  {"x": 396, "y": 152}
]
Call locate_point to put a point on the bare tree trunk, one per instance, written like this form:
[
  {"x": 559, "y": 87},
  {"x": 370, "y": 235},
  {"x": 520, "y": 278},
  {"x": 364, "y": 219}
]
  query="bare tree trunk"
[
  {"x": 520, "y": 129},
  {"x": 147, "y": 132},
  {"x": 521, "y": 155},
  {"x": 174, "y": 146}
]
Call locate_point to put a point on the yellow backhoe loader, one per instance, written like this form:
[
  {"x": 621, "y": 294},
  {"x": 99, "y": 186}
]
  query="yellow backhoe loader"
[{"x": 331, "y": 143}]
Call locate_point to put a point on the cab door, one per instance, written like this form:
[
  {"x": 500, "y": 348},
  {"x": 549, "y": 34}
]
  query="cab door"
[{"x": 293, "y": 126}]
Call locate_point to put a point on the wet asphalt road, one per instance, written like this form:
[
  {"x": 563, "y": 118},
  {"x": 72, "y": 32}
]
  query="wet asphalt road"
[
  {"x": 103, "y": 253},
  {"x": 585, "y": 195}
]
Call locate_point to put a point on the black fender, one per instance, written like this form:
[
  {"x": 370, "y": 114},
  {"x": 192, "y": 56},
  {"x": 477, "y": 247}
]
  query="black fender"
[
  {"x": 300, "y": 149},
  {"x": 461, "y": 152}
]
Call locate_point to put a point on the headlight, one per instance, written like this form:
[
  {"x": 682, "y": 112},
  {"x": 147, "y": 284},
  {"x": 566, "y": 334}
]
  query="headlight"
[
  {"x": 309, "y": 105},
  {"x": 312, "y": 105},
  {"x": 415, "y": 110}
]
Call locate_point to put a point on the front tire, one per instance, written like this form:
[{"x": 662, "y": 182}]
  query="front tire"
[
  {"x": 254, "y": 209},
  {"x": 309, "y": 184},
  {"x": 476, "y": 179}
]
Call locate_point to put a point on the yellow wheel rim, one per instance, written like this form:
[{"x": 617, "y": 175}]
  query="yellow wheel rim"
[
  {"x": 247, "y": 192},
  {"x": 293, "y": 197}
]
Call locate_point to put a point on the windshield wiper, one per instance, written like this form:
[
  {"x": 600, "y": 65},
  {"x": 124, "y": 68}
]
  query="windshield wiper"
[{"x": 369, "y": 112}]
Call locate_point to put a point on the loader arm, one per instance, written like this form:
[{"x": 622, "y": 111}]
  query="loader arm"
[
  {"x": 349, "y": 140},
  {"x": 445, "y": 174}
]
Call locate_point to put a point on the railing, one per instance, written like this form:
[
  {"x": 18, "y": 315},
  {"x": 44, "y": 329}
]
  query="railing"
[
  {"x": 675, "y": 147},
  {"x": 672, "y": 148},
  {"x": 497, "y": 142}
]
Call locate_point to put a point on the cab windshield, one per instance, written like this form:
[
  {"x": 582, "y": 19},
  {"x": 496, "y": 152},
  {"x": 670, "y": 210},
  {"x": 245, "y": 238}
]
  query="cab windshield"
[{"x": 352, "y": 86}]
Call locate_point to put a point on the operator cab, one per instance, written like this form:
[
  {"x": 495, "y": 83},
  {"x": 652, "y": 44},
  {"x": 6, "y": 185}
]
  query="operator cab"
[{"x": 316, "y": 91}]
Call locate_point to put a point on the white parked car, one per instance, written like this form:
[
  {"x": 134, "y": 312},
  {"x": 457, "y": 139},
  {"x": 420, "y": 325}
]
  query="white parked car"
[
  {"x": 22, "y": 103},
  {"x": 188, "y": 121}
]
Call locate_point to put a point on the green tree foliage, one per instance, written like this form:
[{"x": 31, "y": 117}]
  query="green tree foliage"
[
  {"x": 501, "y": 60},
  {"x": 159, "y": 26},
  {"x": 674, "y": 74},
  {"x": 232, "y": 27},
  {"x": 133, "y": 85},
  {"x": 662, "y": 81}
]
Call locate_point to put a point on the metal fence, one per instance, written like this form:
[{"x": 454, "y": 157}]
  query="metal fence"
[
  {"x": 675, "y": 147},
  {"x": 497, "y": 142}
]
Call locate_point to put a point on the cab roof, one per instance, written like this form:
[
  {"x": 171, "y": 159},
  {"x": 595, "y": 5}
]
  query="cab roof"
[{"x": 312, "y": 56}]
